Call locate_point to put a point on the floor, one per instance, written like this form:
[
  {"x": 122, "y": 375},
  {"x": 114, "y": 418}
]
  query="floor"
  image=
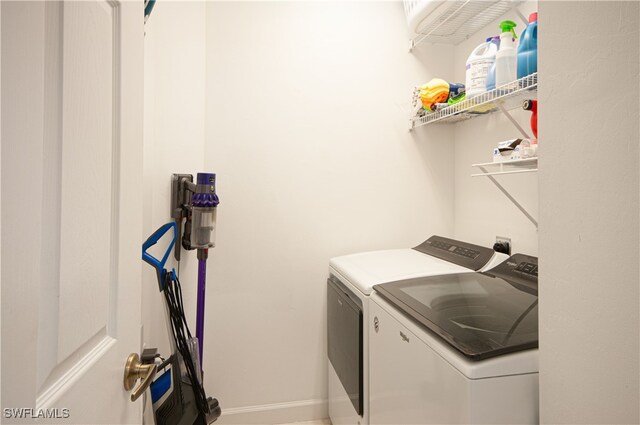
[{"x": 316, "y": 422}]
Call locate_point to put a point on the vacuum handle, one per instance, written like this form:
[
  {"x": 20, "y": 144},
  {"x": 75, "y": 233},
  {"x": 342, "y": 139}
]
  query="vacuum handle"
[{"x": 152, "y": 240}]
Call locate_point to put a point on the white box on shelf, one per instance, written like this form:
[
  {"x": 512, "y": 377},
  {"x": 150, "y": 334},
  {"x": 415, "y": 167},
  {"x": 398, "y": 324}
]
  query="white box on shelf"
[{"x": 507, "y": 150}]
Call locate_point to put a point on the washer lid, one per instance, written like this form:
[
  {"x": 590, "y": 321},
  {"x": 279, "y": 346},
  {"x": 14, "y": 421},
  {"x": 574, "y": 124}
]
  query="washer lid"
[
  {"x": 366, "y": 269},
  {"x": 482, "y": 315},
  {"x": 437, "y": 255}
]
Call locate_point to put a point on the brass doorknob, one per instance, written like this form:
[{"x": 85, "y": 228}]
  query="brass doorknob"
[{"x": 134, "y": 370}]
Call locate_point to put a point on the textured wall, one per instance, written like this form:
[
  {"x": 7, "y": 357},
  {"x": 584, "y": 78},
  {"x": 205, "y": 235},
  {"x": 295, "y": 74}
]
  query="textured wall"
[{"x": 589, "y": 240}]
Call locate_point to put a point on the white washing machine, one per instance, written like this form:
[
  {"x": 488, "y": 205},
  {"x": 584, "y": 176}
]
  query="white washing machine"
[
  {"x": 456, "y": 349},
  {"x": 350, "y": 284}
]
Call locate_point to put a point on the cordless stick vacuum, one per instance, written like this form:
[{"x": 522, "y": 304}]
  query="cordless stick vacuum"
[
  {"x": 177, "y": 393},
  {"x": 197, "y": 204}
]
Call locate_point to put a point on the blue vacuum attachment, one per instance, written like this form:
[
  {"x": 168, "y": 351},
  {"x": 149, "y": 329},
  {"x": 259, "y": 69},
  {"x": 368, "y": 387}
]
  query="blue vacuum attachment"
[{"x": 150, "y": 259}]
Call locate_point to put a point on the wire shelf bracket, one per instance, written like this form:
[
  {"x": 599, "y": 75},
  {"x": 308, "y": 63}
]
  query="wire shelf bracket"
[{"x": 527, "y": 165}]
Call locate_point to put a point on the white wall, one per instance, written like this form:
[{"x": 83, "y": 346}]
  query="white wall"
[
  {"x": 589, "y": 224},
  {"x": 173, "y": 138},
  {"x": 482, "y": 212},
  {"x": 307, "y": 119}
]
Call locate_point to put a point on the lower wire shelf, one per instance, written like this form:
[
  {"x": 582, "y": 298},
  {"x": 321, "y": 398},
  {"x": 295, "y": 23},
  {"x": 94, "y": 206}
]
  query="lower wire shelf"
[{"x": 515, "y": 166}]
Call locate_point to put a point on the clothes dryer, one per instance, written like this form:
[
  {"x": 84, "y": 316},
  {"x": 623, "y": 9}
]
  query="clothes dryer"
[{"x": 350, "y": 284}]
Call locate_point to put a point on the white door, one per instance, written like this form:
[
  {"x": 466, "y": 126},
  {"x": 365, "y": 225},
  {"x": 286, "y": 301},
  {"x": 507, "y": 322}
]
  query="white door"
[{"x": 72, "y": 92}]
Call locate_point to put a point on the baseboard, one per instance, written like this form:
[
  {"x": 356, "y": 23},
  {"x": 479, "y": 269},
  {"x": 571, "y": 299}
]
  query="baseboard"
[{"x": 278, "y": 413}]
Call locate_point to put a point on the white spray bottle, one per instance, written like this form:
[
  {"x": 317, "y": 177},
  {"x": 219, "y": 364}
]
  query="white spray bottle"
[{"x": 506, "y": 69}]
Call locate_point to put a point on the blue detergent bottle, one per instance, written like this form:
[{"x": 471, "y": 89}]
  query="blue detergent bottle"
[
  {"x": 527, "y": 58},
  {"x": 491, "y": 76}
]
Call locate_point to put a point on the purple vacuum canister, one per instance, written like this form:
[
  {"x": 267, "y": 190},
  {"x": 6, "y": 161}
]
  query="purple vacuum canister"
[{"x": 204, "y": 202}]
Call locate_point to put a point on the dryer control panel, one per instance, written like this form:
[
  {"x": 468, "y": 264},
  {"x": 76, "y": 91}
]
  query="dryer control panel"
[{"x": 463, "y": 254}]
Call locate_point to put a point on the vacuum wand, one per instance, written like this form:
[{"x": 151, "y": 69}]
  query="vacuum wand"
[{"x": 202, "y": 280}]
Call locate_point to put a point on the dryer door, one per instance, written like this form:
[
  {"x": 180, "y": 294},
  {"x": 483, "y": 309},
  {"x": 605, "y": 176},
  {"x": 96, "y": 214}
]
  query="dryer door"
[{"x": 344, "y": 332}]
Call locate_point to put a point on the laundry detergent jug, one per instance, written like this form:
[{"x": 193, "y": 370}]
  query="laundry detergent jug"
[
  {"x": 528, "y": 48},
  {"x": 491, "y": 76},
  {"x": 478, "y": 65}
]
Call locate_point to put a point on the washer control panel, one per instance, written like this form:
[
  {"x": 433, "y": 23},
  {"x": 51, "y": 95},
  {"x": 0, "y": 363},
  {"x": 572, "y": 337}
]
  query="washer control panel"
[
  {"x": 520, "y": 270},
  {"x": 527, "y": 268}
]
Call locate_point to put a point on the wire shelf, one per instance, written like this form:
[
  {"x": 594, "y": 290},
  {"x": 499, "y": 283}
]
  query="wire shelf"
[
  {"x": 456, "y": 20},
  {"x": 509, "y": 96},
  {"x": 515, "y": 166}
]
